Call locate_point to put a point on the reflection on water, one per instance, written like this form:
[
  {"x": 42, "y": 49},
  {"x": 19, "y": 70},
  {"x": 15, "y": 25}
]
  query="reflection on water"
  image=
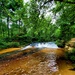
[
  {"x": 52, "y": 62},
  {"x": 39, "y": 63}
]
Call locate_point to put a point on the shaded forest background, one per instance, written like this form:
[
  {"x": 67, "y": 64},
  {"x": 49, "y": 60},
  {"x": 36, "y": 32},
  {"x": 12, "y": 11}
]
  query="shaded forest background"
[{"x": 23, "y": 23}]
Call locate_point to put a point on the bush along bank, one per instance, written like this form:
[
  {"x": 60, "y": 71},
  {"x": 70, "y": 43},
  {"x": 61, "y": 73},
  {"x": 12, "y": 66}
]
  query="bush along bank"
[{"x": 70, "y": 51}]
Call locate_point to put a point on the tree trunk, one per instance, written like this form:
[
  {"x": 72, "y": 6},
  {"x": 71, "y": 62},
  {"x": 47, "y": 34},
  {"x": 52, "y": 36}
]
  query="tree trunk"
[
  {"x": 8, "y": 26},
  {"x": 19, "y": 25}
]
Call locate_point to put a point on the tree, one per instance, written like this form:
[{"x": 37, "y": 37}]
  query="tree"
[{"x": 66, "y": 21}]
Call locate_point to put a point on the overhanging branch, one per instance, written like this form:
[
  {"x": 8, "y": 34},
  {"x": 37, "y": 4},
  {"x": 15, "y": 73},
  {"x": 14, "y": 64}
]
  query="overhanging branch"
[
  {"x": 70, "y": 2},
  {"x": 49, "y": 1}
]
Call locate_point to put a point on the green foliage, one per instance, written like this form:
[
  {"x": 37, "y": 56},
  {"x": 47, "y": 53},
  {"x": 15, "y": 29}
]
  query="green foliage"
[
  {"x": 66, "y": 21},
  {"x": 13, "y": 44},
  {"x": 26, "y": 23},
  {"x": 3, "y": 44},
  {"x": 6, "y": 44},
  {"x": 60, "y": 43},
  {"x": 70, "y": 55},
  {"x": 57, "y": 33}
]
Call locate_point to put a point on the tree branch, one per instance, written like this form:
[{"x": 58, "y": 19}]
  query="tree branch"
[{"x": 70, "y": 2}]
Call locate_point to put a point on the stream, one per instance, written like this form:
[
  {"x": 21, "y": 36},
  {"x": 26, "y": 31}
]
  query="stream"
[{"x": 41, "y": 62}]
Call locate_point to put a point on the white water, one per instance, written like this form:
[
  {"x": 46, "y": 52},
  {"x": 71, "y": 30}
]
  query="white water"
[{"x": 41, "y": 45}]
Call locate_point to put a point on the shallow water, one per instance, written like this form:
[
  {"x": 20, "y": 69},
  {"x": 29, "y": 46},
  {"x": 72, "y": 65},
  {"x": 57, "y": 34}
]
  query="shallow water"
[
  {"x": 39, "y": 63},
  {"x": 43, "y": 62}
]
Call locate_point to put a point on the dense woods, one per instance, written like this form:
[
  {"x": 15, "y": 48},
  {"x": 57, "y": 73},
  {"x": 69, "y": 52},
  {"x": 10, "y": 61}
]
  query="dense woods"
[{"x": 23, "y": 23}]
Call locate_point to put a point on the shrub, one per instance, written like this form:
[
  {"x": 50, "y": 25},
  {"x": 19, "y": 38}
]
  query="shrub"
[
  {"x": 60, "y": 43},
  {"x": 70, "y": 55},
  {"x": 13, "y": 44},
  {"x": 2, "y": 44},
  {"x": 7, "y": 39}
]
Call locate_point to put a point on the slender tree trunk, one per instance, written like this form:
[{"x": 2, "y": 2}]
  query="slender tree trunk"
[
  {"x": 2, "y": 30},
  {"x": 8, "y": 26},
  {"x": 11, "y": 32},
  {"x": 19, "y": 25}
]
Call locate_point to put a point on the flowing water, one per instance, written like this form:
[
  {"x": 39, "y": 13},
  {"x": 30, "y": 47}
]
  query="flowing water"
[
  {"x": 41, "y": 62},
  {"x": 41, "y": 45}
]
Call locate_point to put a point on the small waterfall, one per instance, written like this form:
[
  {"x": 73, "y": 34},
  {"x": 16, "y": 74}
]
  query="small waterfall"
[{"x": 41, "y": 45}]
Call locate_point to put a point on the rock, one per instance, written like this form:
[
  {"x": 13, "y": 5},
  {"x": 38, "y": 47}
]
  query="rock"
[
  {"x": 70, "y": 48},
  {"x": 70, "y": 45}
]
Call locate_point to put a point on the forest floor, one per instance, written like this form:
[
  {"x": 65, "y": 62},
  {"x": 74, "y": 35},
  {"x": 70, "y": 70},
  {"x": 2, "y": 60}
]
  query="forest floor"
[{"x": 35, "y": 64}]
